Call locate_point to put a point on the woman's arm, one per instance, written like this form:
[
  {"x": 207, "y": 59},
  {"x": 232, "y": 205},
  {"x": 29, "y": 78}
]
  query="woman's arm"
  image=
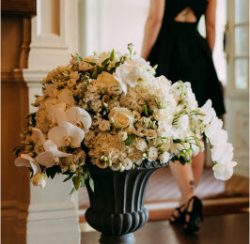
[
  {"x": 210, "y": 23},
  {"x": 153, "y": 25}
]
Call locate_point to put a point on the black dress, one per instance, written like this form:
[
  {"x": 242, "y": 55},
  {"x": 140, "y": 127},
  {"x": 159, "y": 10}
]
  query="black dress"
[{"x": 181, "y": 53}]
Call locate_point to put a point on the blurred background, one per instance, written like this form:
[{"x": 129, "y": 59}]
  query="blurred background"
[{"x": 39, "y": 35}]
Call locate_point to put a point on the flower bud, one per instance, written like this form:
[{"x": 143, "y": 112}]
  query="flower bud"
[{"x": 39, "y": 179}]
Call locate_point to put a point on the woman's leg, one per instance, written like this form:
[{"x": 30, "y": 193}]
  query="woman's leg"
[
  {"x": 184, "y": 177},
  {"x": 197, "y": 166}
]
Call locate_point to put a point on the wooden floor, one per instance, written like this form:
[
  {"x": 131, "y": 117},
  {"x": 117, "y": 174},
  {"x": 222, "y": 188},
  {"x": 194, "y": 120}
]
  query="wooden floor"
[{"x": 223, "y": 229}]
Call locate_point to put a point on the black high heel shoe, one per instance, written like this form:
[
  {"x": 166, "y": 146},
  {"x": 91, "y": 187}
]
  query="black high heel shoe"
[
  {"x": 178, "y": 216},
  {"x": 193, "y": 215}
]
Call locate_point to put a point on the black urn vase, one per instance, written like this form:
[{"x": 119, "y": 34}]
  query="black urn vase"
[{"x": 117, "y": 202}]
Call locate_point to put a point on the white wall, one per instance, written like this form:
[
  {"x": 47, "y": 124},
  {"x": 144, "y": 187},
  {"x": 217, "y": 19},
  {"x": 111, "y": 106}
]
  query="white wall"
[{"x": 112, "y": 24}]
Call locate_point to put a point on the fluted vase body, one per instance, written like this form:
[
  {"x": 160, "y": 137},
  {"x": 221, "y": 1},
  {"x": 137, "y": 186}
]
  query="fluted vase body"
[{"x": 117, "y": 202}]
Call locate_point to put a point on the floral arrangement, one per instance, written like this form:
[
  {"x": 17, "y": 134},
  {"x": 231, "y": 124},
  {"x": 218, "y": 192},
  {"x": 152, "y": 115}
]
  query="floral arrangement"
[{"x": 111, "y": 110}]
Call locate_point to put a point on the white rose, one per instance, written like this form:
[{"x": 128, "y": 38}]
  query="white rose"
[
  {"x": 152, "y": 153},
  {"x": 164, "y": 157},
  {"x": 164, "y": 129},
  {"x": 121, "y": 117},
  {"x": 180, "y": 129},
  {"x": 141, "y": 144},
  {"x": 127, "y": 163}
]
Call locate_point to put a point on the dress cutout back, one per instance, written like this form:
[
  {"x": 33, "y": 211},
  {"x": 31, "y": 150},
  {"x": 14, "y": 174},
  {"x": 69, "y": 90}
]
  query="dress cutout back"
[{"x": 186, "y": 15}]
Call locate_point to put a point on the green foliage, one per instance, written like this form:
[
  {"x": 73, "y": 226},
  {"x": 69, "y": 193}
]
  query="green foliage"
[
  {"x": 31, "y": 119},
  {"x": 17, "y": 150},
  {"x": 147, "y": 111},
  {"x": 52, "y": 171},
  {"x": 91, "y": 184},
  {"x": 80, "y": 179},
  {"x": 130, "y": 139},
  {"x": 70, "y": 175},
  {"x": 76, "y": 181}
]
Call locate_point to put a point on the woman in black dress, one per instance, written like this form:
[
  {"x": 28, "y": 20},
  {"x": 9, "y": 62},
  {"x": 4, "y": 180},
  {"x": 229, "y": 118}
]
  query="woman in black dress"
[{"x": 172, "y": 41}]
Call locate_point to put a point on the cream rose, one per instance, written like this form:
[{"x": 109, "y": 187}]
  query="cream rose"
[
  {"x": 141, "y": 144},
  {"x": 121, "y": 117},
  {"x": 164, "y": 157},
  {"x": 84, "y": 66},
  {"x": 123, "y": 135},
  {"x": 152, "y": 153},
  {"x": 104, "y": 125}
]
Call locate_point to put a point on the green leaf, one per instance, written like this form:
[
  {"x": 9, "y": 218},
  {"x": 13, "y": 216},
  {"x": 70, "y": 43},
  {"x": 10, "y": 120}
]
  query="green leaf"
[
  {"x": 130, "y": 139},
  {"x": 82, "y": 180},
  {"x": 106, "y": 61},
  {"x": 76, "y": 181},
  {"x": 32, "y": 119},
  {"x": 52, "y": 171},
  {"x": 68, "y": 177},
  {"x": 91, "y": 184},
  {"x": 17, "y": 150},
  {"x": 88, "y": 62},
  {"x": 112, "y": 55},
  {"x": 145, "y": 109}
]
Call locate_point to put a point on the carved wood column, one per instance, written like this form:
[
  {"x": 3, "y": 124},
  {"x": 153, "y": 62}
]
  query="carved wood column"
[{"x": 15, "y": 33}]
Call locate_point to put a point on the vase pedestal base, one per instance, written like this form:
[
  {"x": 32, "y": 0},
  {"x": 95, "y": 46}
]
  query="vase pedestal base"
[{"x": 123, "y": 239}]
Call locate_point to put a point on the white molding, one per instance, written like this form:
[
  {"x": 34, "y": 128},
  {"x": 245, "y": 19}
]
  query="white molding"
[{"x": 49, "y": 49}]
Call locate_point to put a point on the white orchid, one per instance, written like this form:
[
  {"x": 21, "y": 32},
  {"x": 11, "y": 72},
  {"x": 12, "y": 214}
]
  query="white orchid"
[
  {"x": 219, "y": 138},
  {"x": 223, "y": 171},
  {"x": 209, "y": 112},
  {"x": 222, "y": 153},
  {"x": 66, "y": 134},
  {"x": 48, "y": 158},
  {"x": 51, "y": 147},
  {"x": 25, "y": 160},
  {"x": 79, "y": 116},
  {"x": 213, "y": 128},
  {"x": 37, "y": 136},
  {"x": 75, "y": 115}
]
